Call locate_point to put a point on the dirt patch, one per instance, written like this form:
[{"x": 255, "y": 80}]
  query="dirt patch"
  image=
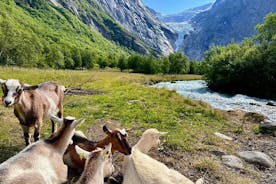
[{"x": 81, "y": 92}]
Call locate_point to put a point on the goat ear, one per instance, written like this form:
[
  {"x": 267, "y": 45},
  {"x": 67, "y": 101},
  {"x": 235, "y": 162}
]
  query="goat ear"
[
  {"x": 81, "y": 152},
  {"x": 163, "y": 133},
  {"x": 59, "y": 120},
  {"x": 106, "y": 130},
  {"x": 2, "y": 81}
]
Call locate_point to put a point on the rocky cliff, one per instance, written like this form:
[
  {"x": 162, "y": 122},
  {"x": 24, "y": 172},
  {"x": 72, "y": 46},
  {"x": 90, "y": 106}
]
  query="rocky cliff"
[
  {"x": 226, "y": 21},
  {"x": 137, "y": 19},
  {"x": 126, "y": 22}
]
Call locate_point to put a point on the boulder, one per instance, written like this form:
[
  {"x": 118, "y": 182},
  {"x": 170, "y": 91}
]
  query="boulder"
[
  {"x": 257, "y": 157},
  {"x": 217, "y": 152},
  {"x": 225, "y": 137},
  {"x": 270, "y": 104},
  {"x": 267, "y": 126},
  {"x": 232, "y": 161}
]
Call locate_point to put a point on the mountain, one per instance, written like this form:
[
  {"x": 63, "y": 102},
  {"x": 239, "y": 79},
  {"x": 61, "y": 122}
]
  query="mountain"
[
  {"x": 139, "y": 20},
  {"x": 40, "y": 34},
  {"x": 91, "y": 13},
  {"x": 225, "y": 21},
  {"x": 126, "y": 22},
  {"x": 185, "y": 15},
  {"x": 180, "y": 22}
]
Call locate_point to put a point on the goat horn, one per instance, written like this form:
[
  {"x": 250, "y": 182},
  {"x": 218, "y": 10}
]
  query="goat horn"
[
  {"x": 79, "y": 121},
  {"x": 59, "y": 120},
  {"x": 81, "y": 152}
]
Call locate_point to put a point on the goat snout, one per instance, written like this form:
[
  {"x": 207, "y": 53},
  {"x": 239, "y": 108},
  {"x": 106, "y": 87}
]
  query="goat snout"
[
  {"x": 7, "y": 103},
  {"x": 129, "y": 150}
]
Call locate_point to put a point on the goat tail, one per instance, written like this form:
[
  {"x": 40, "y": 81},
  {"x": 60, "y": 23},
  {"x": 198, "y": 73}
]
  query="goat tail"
[{"x": 200, "y": 181}]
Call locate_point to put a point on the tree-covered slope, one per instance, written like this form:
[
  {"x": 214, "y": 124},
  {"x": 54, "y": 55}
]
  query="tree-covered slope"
[{"x": 40, "y": 34}]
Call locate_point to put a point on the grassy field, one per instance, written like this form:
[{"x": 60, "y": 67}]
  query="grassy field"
[{"x": 128, "y": 100}]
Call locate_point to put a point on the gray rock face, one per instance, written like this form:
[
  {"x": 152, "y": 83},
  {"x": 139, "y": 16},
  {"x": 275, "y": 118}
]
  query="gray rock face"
[
  {"x": 227, "y": 20},
  {"x": 257, "y": 157},
  {"x": 232, "y": 161},
  {"x": 267, "y": 126},
  {"x": 90, "y": 13},
  {"x": 137, "y": 19}
]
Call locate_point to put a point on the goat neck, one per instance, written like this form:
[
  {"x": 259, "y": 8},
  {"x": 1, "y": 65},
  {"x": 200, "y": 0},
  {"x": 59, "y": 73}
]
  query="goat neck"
[
  {"x": 143, "y": 145},
  {"x": 61, "y": 139}
]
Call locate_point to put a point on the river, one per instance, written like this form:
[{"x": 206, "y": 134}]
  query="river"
[{"x": 198, "y": 90}]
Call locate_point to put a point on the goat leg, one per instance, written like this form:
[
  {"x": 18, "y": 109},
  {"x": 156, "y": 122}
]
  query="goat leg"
[
  {"x": 37, "y": 131},
  {"x": 26, "y": 131},
  {"x": 53, "y": 126}
]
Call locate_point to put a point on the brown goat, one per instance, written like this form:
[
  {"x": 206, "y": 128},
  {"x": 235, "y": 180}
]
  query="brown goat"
[
  {"x": 117, "y": 137},
  {"x": 32, "y": 104},
  {"x": 42, "y": 161},
  {"x": 97, "y": 166}
]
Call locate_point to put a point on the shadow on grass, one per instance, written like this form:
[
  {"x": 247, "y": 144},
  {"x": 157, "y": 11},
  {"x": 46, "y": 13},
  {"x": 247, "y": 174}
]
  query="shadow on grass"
[{"x": 8, "y": 150}]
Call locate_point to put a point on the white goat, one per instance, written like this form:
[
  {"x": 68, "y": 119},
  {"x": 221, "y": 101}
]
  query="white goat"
[
  {"x": 32, "y": 104},
  {"x": 97, "y": 166},
  {"x": 139, "y": 168},
  {"x": 42, "y": 161}
]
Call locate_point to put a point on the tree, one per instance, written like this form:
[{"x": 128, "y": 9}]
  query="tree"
[
  {"x": 122, "y": 63},
  {"x": 179, "y": 63}
]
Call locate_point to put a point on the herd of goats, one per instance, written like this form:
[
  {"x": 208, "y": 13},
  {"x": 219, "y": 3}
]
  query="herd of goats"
[{"x": 47, "y": 161}]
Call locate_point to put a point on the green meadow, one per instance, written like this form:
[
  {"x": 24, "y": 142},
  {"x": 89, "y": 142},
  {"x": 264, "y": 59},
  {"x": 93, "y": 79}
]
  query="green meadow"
[{"x": 129, "y": 100}]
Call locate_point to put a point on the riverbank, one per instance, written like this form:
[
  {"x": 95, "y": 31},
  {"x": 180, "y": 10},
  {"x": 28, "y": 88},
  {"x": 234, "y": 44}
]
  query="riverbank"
[
  {"x": 198, "y": 90},
  {"x": 126, "y": 100}
]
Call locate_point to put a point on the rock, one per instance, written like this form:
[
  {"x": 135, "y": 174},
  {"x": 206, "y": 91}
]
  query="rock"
[
  {"x": 217, "y": 152},
  {"x": 257, "y": 157},
  {"x": 140, "y": 21},
  {"x": 270, "y": 104},
  {"x": 267, "y": 126},
  {"x": 223, "y": 136},
  {"x": 134, "y": 101},
  {"x": 251, "y": 103},
  {"x": 232, "y": 161}
]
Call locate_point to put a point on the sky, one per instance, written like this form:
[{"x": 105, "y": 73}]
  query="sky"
[{"x": 174, "y": 6}]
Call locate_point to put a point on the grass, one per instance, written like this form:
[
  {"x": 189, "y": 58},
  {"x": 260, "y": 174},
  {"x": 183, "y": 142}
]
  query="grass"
[{"x": 129, "y": 100}]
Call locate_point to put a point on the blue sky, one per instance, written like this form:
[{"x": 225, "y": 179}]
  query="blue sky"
[{"x": 174, "y": 6}]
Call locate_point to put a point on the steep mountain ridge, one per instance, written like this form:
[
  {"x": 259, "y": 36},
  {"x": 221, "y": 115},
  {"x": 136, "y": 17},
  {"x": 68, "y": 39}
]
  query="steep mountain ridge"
[
  {"x": 89, "y": 12},
  {"x": 137, "y": 19},
  {"x": 226, "y": 21}
]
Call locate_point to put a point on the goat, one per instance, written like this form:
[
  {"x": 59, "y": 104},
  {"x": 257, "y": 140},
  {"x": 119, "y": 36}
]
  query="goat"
[
  {"x": 42, "y": 161},
  {"x": 32, "y": 104},
  {"x": 139, "y": 168},
  {"x": 118, "y": 138},
  {"x": 97, "y": 166}
]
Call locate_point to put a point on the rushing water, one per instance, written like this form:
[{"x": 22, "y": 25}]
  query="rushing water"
[{"x": 198, "y": 90}]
